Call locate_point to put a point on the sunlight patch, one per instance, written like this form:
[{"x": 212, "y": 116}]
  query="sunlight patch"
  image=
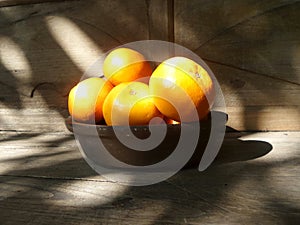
[
  {"x": 78, "y": 45},
  {"x": 14, "y": 59}
]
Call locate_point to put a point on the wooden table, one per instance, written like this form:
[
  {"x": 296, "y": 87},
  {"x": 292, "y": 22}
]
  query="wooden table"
[
  {"x": 253, "y": 47},
  {"x": 255, "y": 180}
]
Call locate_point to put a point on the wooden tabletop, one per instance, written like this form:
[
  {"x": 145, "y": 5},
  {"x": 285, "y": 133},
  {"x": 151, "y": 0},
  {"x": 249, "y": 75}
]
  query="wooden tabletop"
[
  {"x": 253, "y": 48},
  {"x": 254, "y": 180}
]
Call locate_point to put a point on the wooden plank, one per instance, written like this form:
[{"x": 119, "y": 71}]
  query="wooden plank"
[
  {"x": 42, "y": 154},
  {"x": 158, "y": 20},
  {"x": 88, "y": 202},
  {"x": 258, "y": 103},
  {"x": 46, "y": 48},
  {"x": 253, "y": 49},
  {"x": 34, "y": 153},
  {"x": 42, "y": 50},
  {"x": 32, "y": 121},
  {"x": 37, "y": 185}
]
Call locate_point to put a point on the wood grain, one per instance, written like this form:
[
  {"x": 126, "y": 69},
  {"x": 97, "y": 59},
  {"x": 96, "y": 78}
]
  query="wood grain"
[
  {"x": 253, "y": 49},
  {"x": 46, "y": 48},
  {"x": 158, "y": 20},
  {"x": 254, "y": 180},
  {"x": 251, "y": 46}
]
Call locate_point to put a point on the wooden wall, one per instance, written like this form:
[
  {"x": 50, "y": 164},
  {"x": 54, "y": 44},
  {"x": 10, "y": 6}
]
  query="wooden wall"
[{"x": 252, "y": 46}]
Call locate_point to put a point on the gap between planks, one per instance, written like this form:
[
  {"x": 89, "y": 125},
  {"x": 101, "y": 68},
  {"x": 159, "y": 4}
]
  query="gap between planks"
[{"x": 6, "y": 3}]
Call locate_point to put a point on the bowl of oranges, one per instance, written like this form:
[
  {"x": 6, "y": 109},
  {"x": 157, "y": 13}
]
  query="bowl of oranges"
[{"x": 135, "y": 99}]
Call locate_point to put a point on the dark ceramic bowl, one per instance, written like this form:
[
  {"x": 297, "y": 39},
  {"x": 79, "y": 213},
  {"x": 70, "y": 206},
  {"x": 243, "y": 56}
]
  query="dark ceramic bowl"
[{"x": 141, "y": 158}]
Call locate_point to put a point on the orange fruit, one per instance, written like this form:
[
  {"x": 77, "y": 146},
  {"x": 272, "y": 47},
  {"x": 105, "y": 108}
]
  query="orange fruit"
[
  {"x": 170, "y": 121},
  {"x": 179, "y": 86},
  {"x": 125, "y": 65},
  {"x": 129, "y": 103},
  {"x": 86, "y": 99}
]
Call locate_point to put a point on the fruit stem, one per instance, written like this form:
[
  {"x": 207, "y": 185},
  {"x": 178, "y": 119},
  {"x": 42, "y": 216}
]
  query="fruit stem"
[{"x": 132, "y": 92}]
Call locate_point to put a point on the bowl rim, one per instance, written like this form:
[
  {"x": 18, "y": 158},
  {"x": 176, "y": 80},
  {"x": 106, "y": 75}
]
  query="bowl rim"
[
  {"x": 70, "y": 122},
  {"x": 204, "y": 125}
]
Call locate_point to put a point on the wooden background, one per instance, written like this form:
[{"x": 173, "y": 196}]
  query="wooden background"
[{"x": 253, "y": 48}]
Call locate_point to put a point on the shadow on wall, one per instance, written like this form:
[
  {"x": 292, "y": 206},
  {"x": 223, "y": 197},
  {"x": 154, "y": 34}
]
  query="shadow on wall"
[
  {"x": 252, "y": 47},
  {"x": 47, "y": 47}
]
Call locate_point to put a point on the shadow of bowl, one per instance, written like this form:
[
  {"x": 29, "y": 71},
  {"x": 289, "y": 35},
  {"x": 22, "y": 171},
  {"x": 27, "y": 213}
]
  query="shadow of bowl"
[{"x": 234, "y": 150}]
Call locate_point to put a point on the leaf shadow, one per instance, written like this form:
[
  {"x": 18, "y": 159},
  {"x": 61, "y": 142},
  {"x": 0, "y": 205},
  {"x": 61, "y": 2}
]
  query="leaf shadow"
[
  {"x": 189, "y": 195},
  {"x": 194, "y": 196},
  {"x": 252, "y": 41}
]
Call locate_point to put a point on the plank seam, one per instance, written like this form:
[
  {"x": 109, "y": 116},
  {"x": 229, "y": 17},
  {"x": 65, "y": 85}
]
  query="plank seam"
[
  {"x": 243, "y": 21},
  {"x": 8, "y": 4},
  {"x": 171, "y": 28},
  {"x": 56, "y": 178},
  {"x": 250, "y": 71}
]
